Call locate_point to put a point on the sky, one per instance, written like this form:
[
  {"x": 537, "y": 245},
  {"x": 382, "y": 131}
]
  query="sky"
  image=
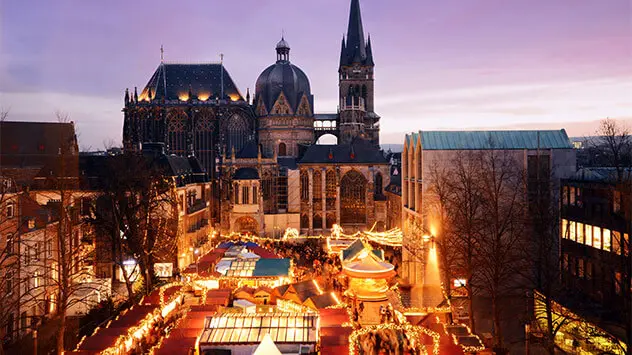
[{"x": 449, "y": 64}]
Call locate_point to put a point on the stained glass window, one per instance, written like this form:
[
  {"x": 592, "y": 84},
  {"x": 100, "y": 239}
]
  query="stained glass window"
[{"x": 353, "y": 198}]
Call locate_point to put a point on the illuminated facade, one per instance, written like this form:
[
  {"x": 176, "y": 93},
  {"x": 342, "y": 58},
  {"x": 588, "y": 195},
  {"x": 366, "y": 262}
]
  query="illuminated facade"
[
  {"x": 428, "y": 151},
  {"x": 595, "y": 246},
  {"x": 268, "y": 173}
]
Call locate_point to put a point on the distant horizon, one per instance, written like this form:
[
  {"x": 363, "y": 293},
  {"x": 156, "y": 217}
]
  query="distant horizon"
[{"x": 471, "y": 64}]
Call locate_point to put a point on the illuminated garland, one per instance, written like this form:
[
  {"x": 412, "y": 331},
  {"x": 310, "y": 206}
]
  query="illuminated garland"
[
  {"x": 466, "y": 348},
  {"x": 176, "y": 324},
  {"x": 392, "y": 237},
  {"x": 412, "y": 332}
]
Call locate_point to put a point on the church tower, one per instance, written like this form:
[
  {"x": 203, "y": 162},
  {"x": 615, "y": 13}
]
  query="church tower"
[{"x": 357, "y": 116}]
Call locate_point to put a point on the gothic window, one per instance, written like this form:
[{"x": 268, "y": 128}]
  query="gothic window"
[
  {"x": 176, "y": 128},
  {"x": 255, "y": 195},
  {"x": 304, "y": 186},
  {"x": 282, "y": 150},
  {"x": 378, "y": 184},
  {"x": 331, "y": 220},
  {"x": 364, "y": 91},
  {"x": 304, "y": 221},
  {"x": 317, "y": 222},
  {"x": 317, "y": 186},
  {"x": 331, "y": 190},
  {"x": 353, "y": 198},
  {"x": 245, "y": 195},
  {"x": 237, "y": 133}
]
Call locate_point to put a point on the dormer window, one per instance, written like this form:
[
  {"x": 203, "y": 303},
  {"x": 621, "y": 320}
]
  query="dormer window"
[{"x": 10, "y": 211}]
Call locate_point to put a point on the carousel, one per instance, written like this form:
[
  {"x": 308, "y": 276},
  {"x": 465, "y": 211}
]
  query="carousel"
[{"x": 368, "y": 275}]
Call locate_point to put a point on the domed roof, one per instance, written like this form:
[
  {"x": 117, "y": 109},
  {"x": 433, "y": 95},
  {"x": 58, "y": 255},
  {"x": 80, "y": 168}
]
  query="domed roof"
[{"x": 285, "y": 77}]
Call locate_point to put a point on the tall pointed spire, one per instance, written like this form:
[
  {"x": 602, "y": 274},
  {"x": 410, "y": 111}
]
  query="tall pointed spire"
[
  {"x": 343, "y": 52},
  {"x": 356, "y": 50},
  {"x": 369, "y": 52}
]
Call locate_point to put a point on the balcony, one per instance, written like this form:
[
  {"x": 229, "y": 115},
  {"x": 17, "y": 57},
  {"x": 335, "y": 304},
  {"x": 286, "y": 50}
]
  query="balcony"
[
  {"x": 196, "y": 206},
  {"x": 197, "y": 226}
]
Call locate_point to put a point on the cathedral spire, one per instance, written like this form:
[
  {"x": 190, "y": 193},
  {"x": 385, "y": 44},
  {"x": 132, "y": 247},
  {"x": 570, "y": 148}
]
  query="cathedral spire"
[
  {"x": 343, "y": 50},
  {"x": 356, "y": 50},
  {"x": 369, "y": 52}
]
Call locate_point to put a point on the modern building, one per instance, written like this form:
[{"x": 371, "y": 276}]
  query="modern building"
[
  {"x": 595, "y": 247},
  {"x": 261, "y": 154},
  {"x": 426, "y": 152}
]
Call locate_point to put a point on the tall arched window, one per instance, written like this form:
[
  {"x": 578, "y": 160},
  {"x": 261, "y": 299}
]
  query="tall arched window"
[
  {"x": 304, "y": 186},
  {"x": 282, "y": 149},
  {"x": 364, "y": 92},
  {"x": 317, "y": 186},
  {"x": 317, "y": 222},
  {"x": 177, "y": 132},
  {"x": 237, "y": 133},
  {"x": 353, "y": 198},
  {"x": 331, "y": 189},
  {"x": 304, "y": 221},
  {"x": 378, "y": 184}
]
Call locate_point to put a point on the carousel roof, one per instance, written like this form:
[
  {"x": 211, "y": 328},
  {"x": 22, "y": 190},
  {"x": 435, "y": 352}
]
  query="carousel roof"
[{"x": 369, "y": 267}]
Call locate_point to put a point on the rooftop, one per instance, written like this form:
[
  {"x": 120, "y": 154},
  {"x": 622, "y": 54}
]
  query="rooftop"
[{"x": 482, "y": 140}]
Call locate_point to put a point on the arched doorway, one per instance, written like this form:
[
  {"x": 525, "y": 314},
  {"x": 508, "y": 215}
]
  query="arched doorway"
[
  {"x": 246, "y": 225},
  {"x": 353, "y": 198}
]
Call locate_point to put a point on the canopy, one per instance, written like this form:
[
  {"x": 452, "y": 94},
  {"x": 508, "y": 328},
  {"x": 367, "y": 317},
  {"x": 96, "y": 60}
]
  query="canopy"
[
  {"x": 368, "y": 267},
  {"x": 267, "y": 347}
]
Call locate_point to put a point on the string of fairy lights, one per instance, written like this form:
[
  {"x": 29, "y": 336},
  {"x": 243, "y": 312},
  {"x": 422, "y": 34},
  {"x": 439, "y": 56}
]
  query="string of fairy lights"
[
  {"x": 392, "y": 237},
  {"x": 414, "y": 333}
]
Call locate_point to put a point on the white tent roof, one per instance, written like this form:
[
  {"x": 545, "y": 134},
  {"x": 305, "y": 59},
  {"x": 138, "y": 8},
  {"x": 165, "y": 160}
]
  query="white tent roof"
[
  {"x": 223, "y": 265},
  {"x": 267, "y": 347},
  {"x": 243, "y": 303},
  {"x": 249, "y": 255}
]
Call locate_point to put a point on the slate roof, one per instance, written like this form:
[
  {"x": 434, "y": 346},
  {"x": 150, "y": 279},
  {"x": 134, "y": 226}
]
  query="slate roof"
[
  {"x": 172, "y": 79},
  {"x": 249, "y": 151},
  {"x": 246, "y": 174},
  {"x": 480, "y": 140},
  {"x": 358, "y": 152},
  {"x": 271, "y": 268},
  {"x": 27, "y": 147},
  {"x": 283, "y": 77},
  {"x": 287, "y": 162}
]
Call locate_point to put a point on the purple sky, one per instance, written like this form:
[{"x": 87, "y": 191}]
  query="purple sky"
[{"x": 439, "y": 64}]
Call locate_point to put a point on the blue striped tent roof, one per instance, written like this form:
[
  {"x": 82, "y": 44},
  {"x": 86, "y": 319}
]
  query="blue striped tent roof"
[{"x": 479, "y": 140}]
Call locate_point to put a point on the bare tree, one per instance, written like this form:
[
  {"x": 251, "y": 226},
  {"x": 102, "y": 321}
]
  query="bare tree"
[
  {"x": 455, "y": 192},
  {"x": 615, "y": 142},
  {"x": 143, "y": 212},
  {"x": 502, "y": 187}
]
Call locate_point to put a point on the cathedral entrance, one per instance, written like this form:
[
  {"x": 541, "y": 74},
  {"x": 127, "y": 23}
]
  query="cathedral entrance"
[
  {"x": 353, "y": 198},
  {"x": 246, "y": 225}
]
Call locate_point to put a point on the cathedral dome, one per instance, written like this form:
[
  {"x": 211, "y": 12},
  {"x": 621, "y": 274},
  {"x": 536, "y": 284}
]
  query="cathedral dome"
[{"x": 282, "y": 77}]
